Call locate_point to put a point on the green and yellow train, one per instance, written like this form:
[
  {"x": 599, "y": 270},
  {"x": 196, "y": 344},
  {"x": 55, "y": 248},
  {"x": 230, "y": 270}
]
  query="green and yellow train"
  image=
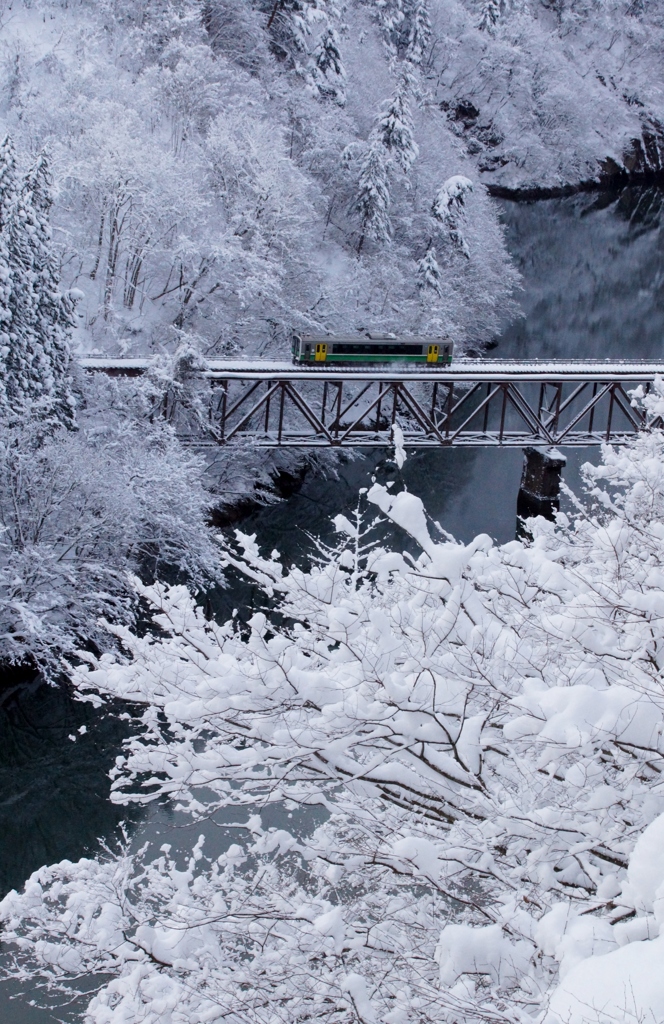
[{"x": 370, "y": 348}]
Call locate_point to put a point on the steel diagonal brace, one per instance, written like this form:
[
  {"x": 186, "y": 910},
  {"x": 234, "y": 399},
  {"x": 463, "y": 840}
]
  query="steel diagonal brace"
[
  {"x": 336, "y": 425},
  {"x": 570, "y": 398},
  {"x": 365, "y": 413},
  {"x": 636, "y": 418},
  {"x": 478, "y": 408},
  {"x": 252, "y": 412},
  {"x": 244, "y": 398},
  {"x": 527, "y": 413},
  {"x": 550, "y": 415},
  {"x": 306, "y": 411},
  {"x": 418, "y": 412},
  {"x": 468, "y": 394},
  {"x": 594, "y": 401},
  {"x": 553, "y": 408}
]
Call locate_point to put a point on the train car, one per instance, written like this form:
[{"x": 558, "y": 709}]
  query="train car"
[{"x": 370, "y": 348}]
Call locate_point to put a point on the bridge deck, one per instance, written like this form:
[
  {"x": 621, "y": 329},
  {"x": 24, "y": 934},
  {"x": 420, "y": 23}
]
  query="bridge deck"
[
  {"x": 460, "y": 370},
  {"x": 475, "y": 402}
]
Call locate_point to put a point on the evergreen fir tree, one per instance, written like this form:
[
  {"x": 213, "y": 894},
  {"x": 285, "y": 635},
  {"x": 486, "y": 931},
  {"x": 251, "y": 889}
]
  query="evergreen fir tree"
[
  {"x": 489, "y": 15},
  {"x": 290, "y": 23},
  {"x": 300, "y": 14},
  {"x": 373, "y": 196},
  {"x": 395, "y": 128},
  {"x": 328, "y": 71},
  {"x": 417, "y": 29},
  {"x": 37, "y": 318},
  {"x": 448, "y": 209},
  {"x": 428, "y": 272},
  {"x": 391, "y": 17},
  {"x": 407, "y": 28},
  {"x": 20, "y": 388},
  {"x": 7, "y": 200},
  {"x": 55, "y": 311},
  {"x": 24, "y": 363}
]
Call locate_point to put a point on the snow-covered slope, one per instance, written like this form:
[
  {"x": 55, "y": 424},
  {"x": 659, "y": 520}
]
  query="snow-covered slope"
[
  {"x": 557, "y": 92},
  {"x": 222, "y": 174},
  {"x": 231, "y": 169}
]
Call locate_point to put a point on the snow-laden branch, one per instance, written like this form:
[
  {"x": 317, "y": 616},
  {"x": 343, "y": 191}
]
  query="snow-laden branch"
[{"x": 482, "y": 728}]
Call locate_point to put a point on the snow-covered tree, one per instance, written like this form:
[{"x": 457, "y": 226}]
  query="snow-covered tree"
[
  {"x": 448, "y": 209},
  {"x": 372, "y": 201},
  {"x": 294, "y": 25},
  {"x": 25, "y": 363},
  {"x": 38, "y": 318},
  {"x": 7, "y": 198},
  {"x": 328, "y": 71},
  {"x": 76, "y": 511},
  {"x": 489, "y": 15},
  {"x": 394, "y": 126},
  {"x": 79, "y": 509},
  {"x": 407, "y": 27},
  {"x": 417, "y": 29},
  {"x": 54, "y": 310},
  {"x": 292, "y": 21},
  {"x": 428, "y": 272},
  {"x": 480, "y": 729}
]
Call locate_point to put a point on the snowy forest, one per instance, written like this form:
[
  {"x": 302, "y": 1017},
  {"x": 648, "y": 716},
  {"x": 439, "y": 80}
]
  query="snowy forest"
[
  {"x": 462, "y": 743},
  {"x": 226, "y": 171}
]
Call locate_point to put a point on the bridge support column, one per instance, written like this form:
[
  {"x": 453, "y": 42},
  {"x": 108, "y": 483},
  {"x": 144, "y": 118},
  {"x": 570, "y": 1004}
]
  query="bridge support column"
[{"x": 539, "y": 493}]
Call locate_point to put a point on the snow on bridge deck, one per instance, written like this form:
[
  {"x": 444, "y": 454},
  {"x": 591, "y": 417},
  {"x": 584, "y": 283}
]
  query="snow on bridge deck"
[
  {"x": 474, "y": 402},
  {"x": 461, "y": 369}
]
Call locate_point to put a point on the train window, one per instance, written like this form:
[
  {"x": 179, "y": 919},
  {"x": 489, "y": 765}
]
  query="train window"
[{"x": 351, "y": 348}]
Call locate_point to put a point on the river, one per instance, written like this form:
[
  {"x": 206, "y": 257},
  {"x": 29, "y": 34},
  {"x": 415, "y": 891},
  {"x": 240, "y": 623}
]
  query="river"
[{"x": 593, "y": 285}]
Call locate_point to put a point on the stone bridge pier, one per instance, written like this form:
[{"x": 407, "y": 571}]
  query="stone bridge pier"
[{"x": 539, "y": 492}]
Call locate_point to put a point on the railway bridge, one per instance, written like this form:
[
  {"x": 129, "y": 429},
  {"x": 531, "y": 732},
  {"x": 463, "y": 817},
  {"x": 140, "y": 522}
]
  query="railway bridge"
[{"x": 474, "y": 402}]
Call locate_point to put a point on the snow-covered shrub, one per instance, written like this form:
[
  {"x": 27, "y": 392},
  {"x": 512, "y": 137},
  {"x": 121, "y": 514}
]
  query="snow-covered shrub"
[
  {"x": 77, "y": 510},
  {"x": 482, "y": 728}
]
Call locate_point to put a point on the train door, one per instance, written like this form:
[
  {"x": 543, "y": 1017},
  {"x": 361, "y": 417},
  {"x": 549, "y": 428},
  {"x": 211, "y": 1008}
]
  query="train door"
[
  {"x": 321, "y": 352},
  {"x": 432, "y": 354}
]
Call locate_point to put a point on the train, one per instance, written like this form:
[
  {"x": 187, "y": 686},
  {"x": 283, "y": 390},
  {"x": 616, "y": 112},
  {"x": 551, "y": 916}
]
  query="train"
[{"x": 370, "y": 348}]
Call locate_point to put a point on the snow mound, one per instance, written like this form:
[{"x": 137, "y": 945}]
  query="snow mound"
[
  {"x": 645, "y": 875},
  {"x": 625, "y": 985}
]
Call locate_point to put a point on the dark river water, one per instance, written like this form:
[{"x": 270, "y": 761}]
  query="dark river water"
[{"x": 593, "y": 286}]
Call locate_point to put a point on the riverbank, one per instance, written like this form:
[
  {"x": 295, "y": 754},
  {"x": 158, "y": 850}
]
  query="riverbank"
[{"x": 610, "y": 182}]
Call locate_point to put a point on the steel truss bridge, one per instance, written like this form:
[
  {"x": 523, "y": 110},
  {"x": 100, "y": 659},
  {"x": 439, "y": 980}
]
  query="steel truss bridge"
[{"x": 473, "y": 403}]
